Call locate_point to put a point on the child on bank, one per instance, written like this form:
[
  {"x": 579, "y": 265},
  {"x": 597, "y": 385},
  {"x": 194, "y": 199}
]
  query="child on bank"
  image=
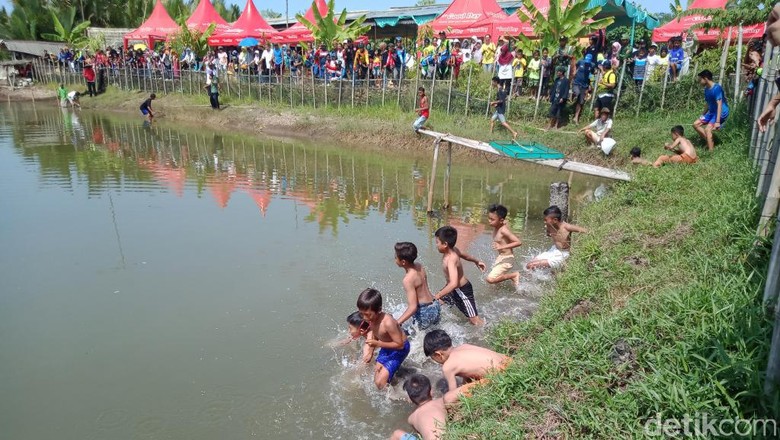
[
  {"x": 636, "y": 157},
  {"x": 504, "y": 241},
  {"x": 421, "y": 310},
  {"x": 423, "y": 112},
  {"x": 560, "y": 232},
  {"x": 458, "y": 291},
  {"x": 146, "y": 107},
  {"x": 430, "y": 417},
  {"x": 385, "y": 334},
  {"x": 469, "y": 362},
  {"x": 682, "y": 147}
]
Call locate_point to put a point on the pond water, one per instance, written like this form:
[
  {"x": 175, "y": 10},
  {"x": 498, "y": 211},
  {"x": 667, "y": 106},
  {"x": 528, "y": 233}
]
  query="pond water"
[{"x": 180, "y": 283}]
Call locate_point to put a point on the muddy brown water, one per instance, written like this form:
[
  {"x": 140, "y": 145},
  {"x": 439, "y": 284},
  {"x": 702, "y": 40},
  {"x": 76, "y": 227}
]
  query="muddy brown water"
[{"x": 166, "y": 282}]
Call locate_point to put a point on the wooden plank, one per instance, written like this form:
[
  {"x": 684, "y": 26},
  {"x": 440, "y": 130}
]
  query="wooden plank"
[{"x": 560, "y": 164}]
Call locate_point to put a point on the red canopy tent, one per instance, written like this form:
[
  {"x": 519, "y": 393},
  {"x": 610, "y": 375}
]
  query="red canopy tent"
[
  {"x": 204, "y": 15},
  {"x": 676, "y": 28},
  {"x": 513, "y": 26},
  {"x": 467, "y": 18},
  {"x": 249, "y": 24},
  {"x": 298, "y": 32},
  {"x": 156, "y": 28}
]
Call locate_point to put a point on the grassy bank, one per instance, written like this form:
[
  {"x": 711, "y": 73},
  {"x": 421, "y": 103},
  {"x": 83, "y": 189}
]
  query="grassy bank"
[{"x": 657, "y": 313}]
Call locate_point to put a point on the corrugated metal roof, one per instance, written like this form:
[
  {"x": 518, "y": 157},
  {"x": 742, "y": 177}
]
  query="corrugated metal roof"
[{"x": 31, "y": 47}]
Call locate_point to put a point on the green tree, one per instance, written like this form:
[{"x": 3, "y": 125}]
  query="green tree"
[
  {"x": 425, "y": 3},
  {"x": 270, "y": 13},
  {"x": 66, "y": 30},
  {"x": 27, "y": 20},
  {"x": 572, "y": 21},
  {"x": 328, "y": 30},
  {"x": 737, "y": 12},
  {"x": 229, "y": 13}
]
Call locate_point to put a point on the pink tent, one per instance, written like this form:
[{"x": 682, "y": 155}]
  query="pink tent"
[
  {"x": 676, "y": 28},
  {"x": 249, "y": 24},
  {"x": 157, "y": 27},
  {"x": 513, "y": 26},
  {"x": 298, "y": 32},
  {"x": 467, "y": 18},
  {"x": 204, "y": 15}
]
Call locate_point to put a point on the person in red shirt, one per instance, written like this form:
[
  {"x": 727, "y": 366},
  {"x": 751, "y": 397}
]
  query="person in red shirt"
[{"x": 89, "y": 76}]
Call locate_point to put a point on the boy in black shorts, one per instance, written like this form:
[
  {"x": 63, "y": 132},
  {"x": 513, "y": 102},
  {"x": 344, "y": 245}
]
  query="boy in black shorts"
[{"x": 458, "y": 291}]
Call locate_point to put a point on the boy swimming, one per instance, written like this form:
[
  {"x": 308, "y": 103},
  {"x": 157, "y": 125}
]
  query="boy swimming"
[
  {"x": 385, "y": 334},
  {"x": 504, "y": 241},
  {"x": 358, "y": 328},
  {"x": 458, "y": 291},
  {"x": 469, "y": 362},
  {"x": 560, "y": 232},
  {"x": 422, "y": 310},
  {"x": 682, "y": 147},
  {"x": 430, "y": 417}
]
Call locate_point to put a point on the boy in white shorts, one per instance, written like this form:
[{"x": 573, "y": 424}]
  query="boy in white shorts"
[{"x": 560, "y": 232}]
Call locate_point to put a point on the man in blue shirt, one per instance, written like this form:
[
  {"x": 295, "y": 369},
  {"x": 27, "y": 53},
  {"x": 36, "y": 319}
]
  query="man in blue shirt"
[
  {"x": 581, "y": 84},
  {"x": 278, "y": 60},
  {"x": 717, "y": 110},
  {"x": 676, "y": 57}
]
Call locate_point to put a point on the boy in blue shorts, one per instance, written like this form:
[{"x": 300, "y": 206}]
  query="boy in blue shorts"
[
  {"x": 385, "y": 334},
  {"x": 146, "y": 107},
  {"x": 716, "y": 112},
  {"x": 421, "y": 311}
]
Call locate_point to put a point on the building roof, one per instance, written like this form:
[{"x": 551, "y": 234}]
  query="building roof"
[
  {"x": 35, "y": 48},
  {"x": 113, "y": 36}
]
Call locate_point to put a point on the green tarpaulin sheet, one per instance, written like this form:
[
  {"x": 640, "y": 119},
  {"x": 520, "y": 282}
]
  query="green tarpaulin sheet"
[{"x": 526, "y": 150}]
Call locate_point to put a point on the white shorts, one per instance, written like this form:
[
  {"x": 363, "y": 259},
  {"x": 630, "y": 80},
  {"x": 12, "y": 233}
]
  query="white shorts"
[{"x": 554, "y": 256}]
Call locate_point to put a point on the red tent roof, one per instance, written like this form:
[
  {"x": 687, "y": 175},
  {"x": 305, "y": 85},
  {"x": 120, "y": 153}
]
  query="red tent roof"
[
  {"x": 466, "y": 18},
  {"x": 513, "y": 26},
  {"x": 157, "y": 27},
  {"x": 676, "y": 28},
  {"x": 204, "y": 15},
  {"x": 249, "y": 24},
  {"x": 298, "y": 32}
]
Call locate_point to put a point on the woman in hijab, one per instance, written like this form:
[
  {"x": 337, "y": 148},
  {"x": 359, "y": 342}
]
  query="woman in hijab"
[
  {"x": 615, "y": 55},
  {"x": 505, "y": 72}
]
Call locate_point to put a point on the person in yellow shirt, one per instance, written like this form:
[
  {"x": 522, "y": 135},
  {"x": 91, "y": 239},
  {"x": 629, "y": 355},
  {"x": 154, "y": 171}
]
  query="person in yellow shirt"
[
  {"x": 488, "y": 54},
  {"x": 605, "y": 93},
  {"x": 519, "y": 64}
]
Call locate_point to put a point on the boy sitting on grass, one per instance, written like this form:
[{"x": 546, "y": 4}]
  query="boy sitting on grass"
[
  {"x": 560, "y": 232},
  {"x": 504, "y": 241},
  {"x": 430, "y": 417},
  {"x": 385, "y": 334},
  {"x": 682, "y": 147},
  {"x": 469, "y": 362},
  {"x": 422, "y": 310}
]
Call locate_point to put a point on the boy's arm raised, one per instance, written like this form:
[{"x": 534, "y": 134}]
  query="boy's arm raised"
[
  {"x": 411, "y": 299},
  {"x": 467, "y": 257},
  {"x": 574, "y": 228}
]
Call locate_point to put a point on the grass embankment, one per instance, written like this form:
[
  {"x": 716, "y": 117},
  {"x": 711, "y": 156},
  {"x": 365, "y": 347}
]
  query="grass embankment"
[{"x": 657, "y": 313}]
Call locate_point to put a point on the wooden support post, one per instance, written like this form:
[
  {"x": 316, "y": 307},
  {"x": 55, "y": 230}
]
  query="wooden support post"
[
  {"x": 693, "y": 81},
  {"x": 447, "y": 176},
  {"x": 449, "y": 92},
  {"x": 723, "y": 57},
  {"x": 468, "y": 91},
  {"x": 416, "y": 84},
  {"x": 432, "y": 181},
  {"x": 559, "y": 196},
  {"x": 773, "y": 365},
  {"x": 539, "y": 92},
  {"x": 739, "y": 65},
  {"x": 663, "y": 92},
  {"x": 620, "y": 90}
]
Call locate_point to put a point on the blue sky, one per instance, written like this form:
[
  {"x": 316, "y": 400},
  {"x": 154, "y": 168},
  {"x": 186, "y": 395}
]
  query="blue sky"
[{"x": 302, "y": 5}]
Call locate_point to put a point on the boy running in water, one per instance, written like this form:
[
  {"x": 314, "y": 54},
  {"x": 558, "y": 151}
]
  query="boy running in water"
[
  {"x": 458, "y": 291},
  {"x": 504, "y": 241},
  {"x": 423, "y": 111},
  {"x": 385, "y": 334},
  {"x": 430, "y": 417},
  {"x": 682, "y": 147},
  {"x": 560, "y": 232},
  {"x": 469, "y": 362},
  {"x": 146, "y": 107},
  {"x": 421, "y": 310}
]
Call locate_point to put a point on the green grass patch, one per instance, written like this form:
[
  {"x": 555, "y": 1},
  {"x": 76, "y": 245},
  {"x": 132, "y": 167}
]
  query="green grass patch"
[{"x": 657, "y": 313}]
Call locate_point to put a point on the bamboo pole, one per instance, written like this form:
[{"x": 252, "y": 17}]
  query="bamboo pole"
[
  {"x": 341, "y": 83},
  {"x": 313, "y": 95},
  {"x": 384, "y": 85},
  {"x": 433, "y": 88},
  {"x": 693, "y": 81},
  {"x": 416, "y": 85},
  {"x": 738, "y": 67},
  {"x": 352, "y": 89},
  {"x": 399, "y": 85},
  {"x": 468, "y": 91},
  {"x": 762, "y": 96},
  {"x": 724, "y": 56},
  {"x": 447, "y": 176},
  {"x": 773, "y": 364},
  {"x": 368, "y": 87},
  {"x": 595, "y": 88},
  {"x": 327, "y": 85},
  {"x": 771, "y": 203},
  {"x": 539, "y": 92},
  {"x": 663, "y": 92},
  {"x": 291, "y": 90},
  {"x": 620, "y": 89},
  {"x": 641, "y": 93},
  {"x": 432, "y": 181},
  {"x": 449, "y": 92}
]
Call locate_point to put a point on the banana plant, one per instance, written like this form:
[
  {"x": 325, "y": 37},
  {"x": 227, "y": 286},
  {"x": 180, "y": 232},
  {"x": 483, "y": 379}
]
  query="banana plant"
[
  {"x": 191, "y": 38},
  {"x": 64, "y": 29},
  {"x": 573, "y": 21},
  {"x": 328, "y": 30}
]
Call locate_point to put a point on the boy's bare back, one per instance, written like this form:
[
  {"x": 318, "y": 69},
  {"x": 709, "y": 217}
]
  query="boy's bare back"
[
  {"x": 451, "y": 260},
  {"x": 472, "y": 362},
  {"x": 561, "y": 236},
  {"x": 686, "y": 147},
  {"x": 417, "y": 279},
  {"x": 429, "y": 419}
]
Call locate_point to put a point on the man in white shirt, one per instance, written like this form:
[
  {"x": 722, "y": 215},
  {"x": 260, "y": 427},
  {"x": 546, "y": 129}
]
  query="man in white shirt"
[
  {"x": 268, "y": 57},
  {"x": 222, "y": 57},
  {"x": 653, "y": 60}
]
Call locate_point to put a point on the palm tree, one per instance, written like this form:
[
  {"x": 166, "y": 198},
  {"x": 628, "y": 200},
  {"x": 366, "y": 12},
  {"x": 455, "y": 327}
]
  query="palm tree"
[
  {"x": 64, "y": 29},
  {"x": 327, "y": 30},
  {"x": 573, "y": 21}
]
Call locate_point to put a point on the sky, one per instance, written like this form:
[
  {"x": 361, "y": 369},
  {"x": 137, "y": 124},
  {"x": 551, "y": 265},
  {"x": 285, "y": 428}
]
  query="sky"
[{"x": 302, "y": 5}]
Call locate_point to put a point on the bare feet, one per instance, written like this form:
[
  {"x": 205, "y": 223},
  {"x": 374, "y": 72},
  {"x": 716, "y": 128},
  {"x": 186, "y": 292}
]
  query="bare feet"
[{"x": 516, "y": 279}]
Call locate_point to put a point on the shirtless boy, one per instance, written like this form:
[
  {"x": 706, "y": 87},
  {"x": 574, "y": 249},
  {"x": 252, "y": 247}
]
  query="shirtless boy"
[
  {"x": 560, "y": 232},
  {"x": 458, "y": 291},
  {"x": 682, "y": 147},
  {"x": 385, "y": 334},
  {"x": 358, "y": 328},
  {"x": 504, "y": 241},
  {"x": 430, "y": 417},
  {"x": 469, "y": 362},
  {"x": 421, "y": 310}
]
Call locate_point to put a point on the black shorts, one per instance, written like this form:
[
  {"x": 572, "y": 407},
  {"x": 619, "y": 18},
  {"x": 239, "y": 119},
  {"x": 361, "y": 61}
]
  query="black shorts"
[
  {"x": 555, "y": 109},
  {"x": 463, "y": 298},
  {"x": 605, "y": 101},
  {"x": 578, "y": 93}
]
